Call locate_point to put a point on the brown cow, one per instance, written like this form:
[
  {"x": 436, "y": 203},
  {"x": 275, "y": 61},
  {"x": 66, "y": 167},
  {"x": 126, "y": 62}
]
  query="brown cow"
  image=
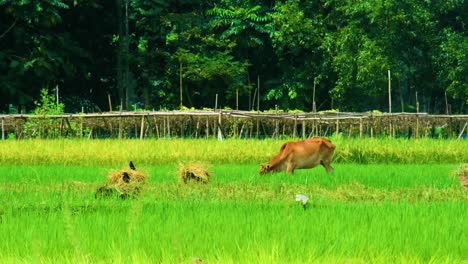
[{"x": 303, "y": 154}]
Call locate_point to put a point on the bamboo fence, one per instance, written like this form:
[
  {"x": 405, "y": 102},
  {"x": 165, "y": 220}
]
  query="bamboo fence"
[{"x": 232, "y": 124}]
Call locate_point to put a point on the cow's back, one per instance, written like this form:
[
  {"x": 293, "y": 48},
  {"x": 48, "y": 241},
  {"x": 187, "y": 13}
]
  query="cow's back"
[{"x": 309, "y": 153}]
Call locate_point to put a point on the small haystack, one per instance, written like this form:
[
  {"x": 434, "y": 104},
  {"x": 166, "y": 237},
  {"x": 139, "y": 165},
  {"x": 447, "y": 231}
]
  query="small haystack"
[
  {"x": 462, "y": 174},
  {"x": 126, "y": 182},
  {"x": 194, "y": 171}
]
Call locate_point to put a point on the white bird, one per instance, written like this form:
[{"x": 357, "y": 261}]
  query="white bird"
[{"x": 302, "y": 199}]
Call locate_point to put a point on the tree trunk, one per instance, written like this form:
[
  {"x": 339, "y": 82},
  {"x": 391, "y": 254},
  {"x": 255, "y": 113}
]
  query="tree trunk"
[{"x": 123, "y": 67}]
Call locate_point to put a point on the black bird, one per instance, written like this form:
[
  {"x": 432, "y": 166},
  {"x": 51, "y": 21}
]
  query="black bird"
[
  {"x": 132, "y": 167},
  {"x": 126, "y": 177}
]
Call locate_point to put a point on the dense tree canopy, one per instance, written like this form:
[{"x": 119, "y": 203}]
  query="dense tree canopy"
[{"x": 160, "y": 54}]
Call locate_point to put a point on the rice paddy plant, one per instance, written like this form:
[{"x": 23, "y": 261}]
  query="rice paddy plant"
[
  {"x": 387, "y": 201},
  {"x": 172, "y": 151},
  {"x": 217, "y": 231}
]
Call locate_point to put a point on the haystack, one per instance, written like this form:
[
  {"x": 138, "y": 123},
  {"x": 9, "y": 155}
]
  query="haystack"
[
  {"x": 194, "y": 171},
  {"x": 126, "y": 182}
]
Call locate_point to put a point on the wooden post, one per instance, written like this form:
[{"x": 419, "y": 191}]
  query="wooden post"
[
  {"x": 57, "y": 91},
  {"x": 164, "y": 127},
  {"x": 220, "y": 134},
  {"x": 258, "y": 93},
  {"x": 168, "y": 127},
  {"x": 450, "y": 128},
  {"x": 337, "y": 127},
  {"x": 81, "y": 128},
  {"x": 3, "y": 128},
  {"x": 207, "y": 131},
  {"x": 110, "y": 102},
  {"x": 258, "y": 127},
  {"x": 120, "y": 127},
  {"x": 180, "y": 84},
  {"x": 463, "y": 129},
  {"x": 276, "y": 123},
  {"x": 216, "y": 102},
  {"x": 295, "y": 126},
  {"x": 156, "y": 126},
  {"x": 389, "y": 93},
  {"x": 142, "y": 129},
  {"x": 303, "y": 129},
  {"x": 237, "y": 99},
  {"x": 446, "y": 104},
  {"x": 416, "y": 136},
  {"x": 360, "y": 128},
  {"x": 314, "y": 109}
]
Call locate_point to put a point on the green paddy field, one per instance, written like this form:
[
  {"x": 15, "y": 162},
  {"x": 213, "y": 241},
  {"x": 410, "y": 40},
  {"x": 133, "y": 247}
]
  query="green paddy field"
[{"x": 388, "y": 201}]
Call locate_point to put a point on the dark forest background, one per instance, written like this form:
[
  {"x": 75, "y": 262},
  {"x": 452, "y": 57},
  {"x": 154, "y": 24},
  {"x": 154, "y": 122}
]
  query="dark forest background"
[{"x": 147, "y": 54}]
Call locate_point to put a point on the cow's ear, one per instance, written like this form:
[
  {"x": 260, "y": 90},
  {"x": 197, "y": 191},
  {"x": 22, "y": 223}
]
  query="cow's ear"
[{"x": 267, "y": 166}]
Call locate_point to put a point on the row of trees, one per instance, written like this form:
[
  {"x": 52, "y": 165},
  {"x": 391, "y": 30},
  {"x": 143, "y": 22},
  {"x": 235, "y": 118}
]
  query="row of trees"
[{"x": 164, "y": 54}]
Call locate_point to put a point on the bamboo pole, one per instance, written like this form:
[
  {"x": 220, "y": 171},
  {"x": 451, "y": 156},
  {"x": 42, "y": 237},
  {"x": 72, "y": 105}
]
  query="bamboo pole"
[
  {"x": 3, "y": 128},
  {"x": 142, "y": 127},
  {"x": 360, "y": 127},
  {"x": 110, "y": 102},
  {"x": 120, "y": 128},
  {"x": 168, "y": 127},
  {"x": 156, "y": 126},
  {"x": 295, "y": 127},
  {"x": 276, "y": 133},
  {"x": 337, "y": 127},
  {"x": 220, "y": 134},
  {"x": 237, "y": 99},
  {"x": 81, "y": 127},
  {"x": 180, "y": 84},
  {"x": 303, "y": 129},
  {"x": 389, "y": 92}
]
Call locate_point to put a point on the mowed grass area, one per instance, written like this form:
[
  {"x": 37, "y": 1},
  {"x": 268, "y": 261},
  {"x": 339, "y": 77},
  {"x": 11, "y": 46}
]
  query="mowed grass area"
[{"x": 368, "y": 211}]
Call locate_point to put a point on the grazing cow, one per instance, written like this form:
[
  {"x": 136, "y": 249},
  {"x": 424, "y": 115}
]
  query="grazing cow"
[{"x": 303, "y": 154}]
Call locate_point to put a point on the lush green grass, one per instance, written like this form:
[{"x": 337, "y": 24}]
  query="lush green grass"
[
  {"x": 161, "y": 152},
  {"x": 361, "y": 213},
  {"x": 387, "y": 201},
  {"x": 240, "y": 232}
]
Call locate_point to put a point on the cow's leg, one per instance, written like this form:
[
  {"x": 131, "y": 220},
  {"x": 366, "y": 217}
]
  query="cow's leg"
[
  {"x": 327, "y": 166},
  {"x": 290, "y": 167}
]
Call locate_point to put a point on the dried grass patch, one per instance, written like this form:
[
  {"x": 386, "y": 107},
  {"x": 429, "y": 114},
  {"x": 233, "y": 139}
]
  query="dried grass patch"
[
  {"x": 126, "y": 182},
  {"x": 462, "y": 174}
]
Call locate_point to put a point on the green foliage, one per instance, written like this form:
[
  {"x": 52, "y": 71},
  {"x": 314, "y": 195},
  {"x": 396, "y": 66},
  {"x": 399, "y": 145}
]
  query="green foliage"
[
  {"x": 48, "y": 105},
  {"x": 134, "y": 52},
  {"x": 44, "y": 127}
]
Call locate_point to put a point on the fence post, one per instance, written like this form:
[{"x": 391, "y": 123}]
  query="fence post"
[
  {"x": 303, "y": 129},
  {"x": 3, "y": 128},
  {"x": 142, "y": 127},
  {"x": 337, "y": 127},
  {"x": 360, "y": 127},
  {"x": 295, "y": 126}
]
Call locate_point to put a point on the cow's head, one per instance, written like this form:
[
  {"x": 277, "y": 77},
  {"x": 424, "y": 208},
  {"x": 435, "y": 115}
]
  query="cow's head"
[{"x": 265, "y": 168}]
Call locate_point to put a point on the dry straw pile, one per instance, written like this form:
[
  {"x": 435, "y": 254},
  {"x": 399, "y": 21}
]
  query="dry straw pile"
[
  {"x": 194, "y": 171},
  {"x": 126, "y": 182},
  {"x": 462, "y": 173}
]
